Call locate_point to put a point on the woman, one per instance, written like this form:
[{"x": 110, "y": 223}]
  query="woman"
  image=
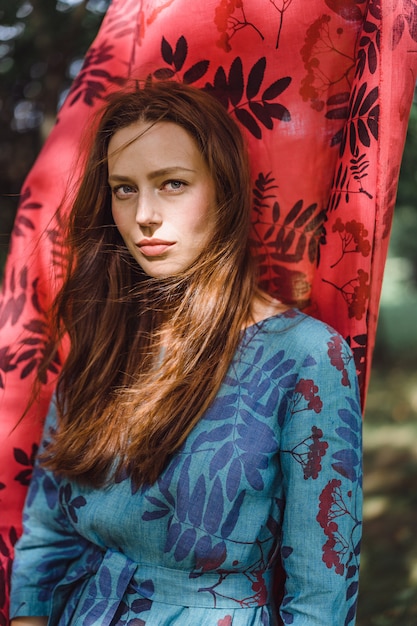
[{"x": 204, "y": 435}]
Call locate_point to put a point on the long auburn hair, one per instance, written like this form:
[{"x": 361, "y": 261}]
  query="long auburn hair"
[{"x": 147, "y": 356}]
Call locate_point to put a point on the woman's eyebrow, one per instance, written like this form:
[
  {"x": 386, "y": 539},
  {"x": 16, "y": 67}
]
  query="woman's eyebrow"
[
  {"x": 169, "y": 171},
  {"x": 117, "y": 178},
  {"x": 165, "y": 171}
]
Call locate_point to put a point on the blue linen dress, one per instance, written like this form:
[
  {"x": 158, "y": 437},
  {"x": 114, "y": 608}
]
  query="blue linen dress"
[{"x": 271, "y": 474}]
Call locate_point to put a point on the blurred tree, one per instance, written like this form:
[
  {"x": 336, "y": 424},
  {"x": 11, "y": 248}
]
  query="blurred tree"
[
  {"x": 407, "y": 190},
  {"x": 42, "y": 44},
  {"x": 403, "y": 240}
]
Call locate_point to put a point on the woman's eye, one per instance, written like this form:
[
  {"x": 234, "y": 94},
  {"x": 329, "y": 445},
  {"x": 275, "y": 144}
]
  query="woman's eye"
[
  {"x": 123, "y": 191},
  {"x": 173, "y": 185}
]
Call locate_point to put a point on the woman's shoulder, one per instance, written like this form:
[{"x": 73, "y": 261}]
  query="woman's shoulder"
[
  {"x": 272, "y": 317},
  {"x": 297, "y": 324},
  {"x": 301, "y": 336}
]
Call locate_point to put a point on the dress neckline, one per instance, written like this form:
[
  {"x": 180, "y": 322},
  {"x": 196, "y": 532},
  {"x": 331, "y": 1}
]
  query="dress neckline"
[{"x": 290, "y": 312}]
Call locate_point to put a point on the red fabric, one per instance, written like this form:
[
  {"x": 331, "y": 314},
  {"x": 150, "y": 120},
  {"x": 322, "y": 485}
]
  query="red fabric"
[{"x": 322, "y": 90}]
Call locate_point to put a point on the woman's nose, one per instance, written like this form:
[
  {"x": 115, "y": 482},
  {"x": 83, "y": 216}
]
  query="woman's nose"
[{"x": 146, "y": 211}]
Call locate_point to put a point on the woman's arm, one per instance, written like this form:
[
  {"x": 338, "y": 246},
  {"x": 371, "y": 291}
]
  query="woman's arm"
[
  {"x": 48, "y": 545},
  {"x": 321, "y": 463}
]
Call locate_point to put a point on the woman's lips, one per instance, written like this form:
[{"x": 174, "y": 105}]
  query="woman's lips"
[{"x": 154, "y": 247}]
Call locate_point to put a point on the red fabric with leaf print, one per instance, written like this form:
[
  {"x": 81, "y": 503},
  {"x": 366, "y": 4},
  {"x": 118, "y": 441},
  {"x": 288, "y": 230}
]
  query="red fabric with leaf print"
[{"x": 322, "y": 90}]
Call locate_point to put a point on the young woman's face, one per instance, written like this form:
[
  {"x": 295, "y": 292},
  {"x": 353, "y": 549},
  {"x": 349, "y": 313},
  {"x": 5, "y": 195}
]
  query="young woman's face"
[{"x": 163, "y": 196}]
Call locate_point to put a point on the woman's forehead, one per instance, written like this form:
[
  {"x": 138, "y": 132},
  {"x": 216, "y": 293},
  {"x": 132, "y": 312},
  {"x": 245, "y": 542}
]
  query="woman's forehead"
[{"x": 154, "y": 146}]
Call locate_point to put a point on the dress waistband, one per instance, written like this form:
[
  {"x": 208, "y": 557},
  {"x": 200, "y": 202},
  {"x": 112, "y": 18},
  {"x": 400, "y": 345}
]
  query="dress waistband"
[
  {"x": 106, "y": 577},
  {"x": 219, "y": 589}
]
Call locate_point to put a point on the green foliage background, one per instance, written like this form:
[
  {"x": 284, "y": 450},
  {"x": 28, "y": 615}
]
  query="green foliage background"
[
  {"x": 403, "y": 240},
  {"x": 42, "y": 44}
]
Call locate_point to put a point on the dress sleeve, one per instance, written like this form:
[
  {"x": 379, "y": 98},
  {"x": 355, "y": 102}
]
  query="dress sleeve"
[
  {"x": 48, "y": 544},
  {"x": 322, "y": 470}
]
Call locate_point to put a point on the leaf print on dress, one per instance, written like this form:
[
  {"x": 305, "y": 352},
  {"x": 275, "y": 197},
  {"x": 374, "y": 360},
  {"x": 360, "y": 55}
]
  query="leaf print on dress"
[
  {"x": 209, "y": 556},
  {"x": 100, "y": 602},
  {"x": 69, "y": 503},
  {"x": 341, "y": 549},
  {"x": 201, "y": 514},
  {"x": 203, "y": 508},
  {"x": 275, "y": 377},
  {"x": 349, "y": 460}
]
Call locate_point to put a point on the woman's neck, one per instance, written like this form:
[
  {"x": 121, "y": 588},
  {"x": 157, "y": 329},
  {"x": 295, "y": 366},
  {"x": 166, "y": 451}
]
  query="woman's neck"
[{"x": 263, "y": 306}]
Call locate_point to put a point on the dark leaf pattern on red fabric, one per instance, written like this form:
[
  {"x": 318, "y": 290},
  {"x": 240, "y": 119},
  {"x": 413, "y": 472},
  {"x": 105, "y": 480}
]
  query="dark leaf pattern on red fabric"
[
  {"x": 175, "y": 59},
  {"x": 23, "y": 223},
  {"x": 356, "y": 293},
  {"x": 11, "y": 309},
  {"x": 230, "y": 89},
  {"x": 349, "y": 180},
  {"x": 92, "y": 82},
  {"x": 363, "y": 118},
  {"x": 350, "y": 10},
  {"x": 359, "y": 134},
  {"x": 406, "y": 19},
  {"x": 321, "y": 45},
  {"x": 6, "y": 363},
  {"x": 33, "y": 349},
  {"x": 293, "y": 235},
  {"x": 22, "y": 458},
  {"x": 230, "y": 18},
  {"x": 353, "y": 238},
  {"x": 370, "y": 44},
  {"x": 7, "y": 542}
]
